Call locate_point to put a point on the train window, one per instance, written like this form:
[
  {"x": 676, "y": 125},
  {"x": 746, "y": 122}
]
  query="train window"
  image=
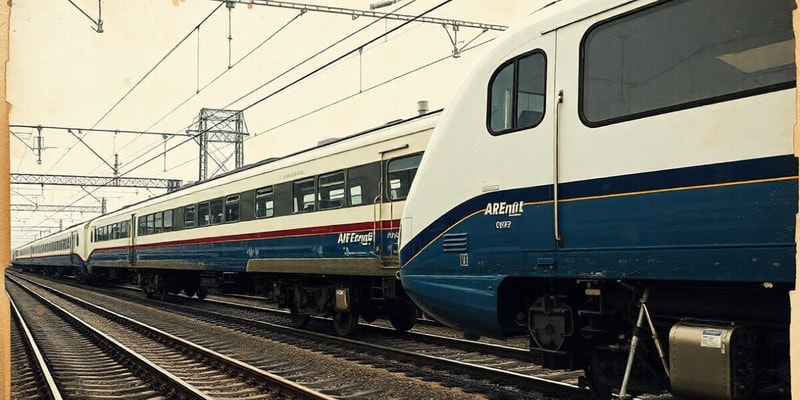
[
  {"x": 151, "y": 224},
  {"x": 681, "y": 54},
  {"x": 362, "y": 183},
  {"x": 303, "y": 192},
  {"x": 203, "y": 217},
  {"x": 159, "y": 222},
  {"x": 265, "y": 203},
  {"x": 188, "y": 216},
  {"x": 232, "y": 208},
  {"x": 516, "y": 94},
  {"x": 124, "y": 228},
  {"x": 115, "y": 231},
  {"x": 168, "y": 221},
  {"x": 401, "y": 172},
  {"x": 216, "y": 211},
  {"x": 331, "y": 190}
]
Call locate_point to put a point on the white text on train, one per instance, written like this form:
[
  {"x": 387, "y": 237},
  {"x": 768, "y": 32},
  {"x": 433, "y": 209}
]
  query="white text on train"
[
  {"x": 352, "y": 237},
  {"x": 503, "y": 208}
]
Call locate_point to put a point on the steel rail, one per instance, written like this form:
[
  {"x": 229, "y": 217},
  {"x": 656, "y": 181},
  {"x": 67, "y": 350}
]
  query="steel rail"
[
  {"x": 274, "y": 382},
  {"x": 50, "y": 383}
]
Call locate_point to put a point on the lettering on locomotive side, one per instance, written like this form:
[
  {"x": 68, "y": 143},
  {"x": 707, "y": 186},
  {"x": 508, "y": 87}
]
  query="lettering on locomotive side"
[
  {"x": 364, "y": 239},
  {"x": 292, "y": 174},
  {"x": 512, "y": 209}
]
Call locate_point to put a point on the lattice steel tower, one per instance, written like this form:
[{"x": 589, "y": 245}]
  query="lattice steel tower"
[{"x": 219, "y": 126}]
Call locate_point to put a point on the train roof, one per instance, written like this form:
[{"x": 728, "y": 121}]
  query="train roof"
[
  {"x": 330, "y": 143},
  {"x": 325, "y": 143}
]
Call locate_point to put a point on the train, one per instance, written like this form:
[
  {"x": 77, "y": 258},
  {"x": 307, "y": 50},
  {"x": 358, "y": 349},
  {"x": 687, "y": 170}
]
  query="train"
[
  {"x": 316, "y": 231},
  {"x": 616, "y": 180}
]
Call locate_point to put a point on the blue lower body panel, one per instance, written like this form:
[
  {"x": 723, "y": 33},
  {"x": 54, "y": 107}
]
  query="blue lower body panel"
[
  {"x": 740, "y": 232},
  {"x": 225, "y": 254}
]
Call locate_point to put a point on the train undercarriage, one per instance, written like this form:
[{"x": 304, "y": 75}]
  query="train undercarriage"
[
  {"x": 343, "y": 299},
  {"x": 695, "y": 340}
]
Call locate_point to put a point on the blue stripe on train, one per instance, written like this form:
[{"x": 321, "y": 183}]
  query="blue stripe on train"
[
  {"x": 685, "y": 200},
  {"x": 51, "y": 261},
  {"x": 232, "y": 256}
]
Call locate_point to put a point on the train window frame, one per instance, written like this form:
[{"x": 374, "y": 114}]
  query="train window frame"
[
  {"x": 168, "y": 221},
  {"x": 232, "y": 208},
  {"x": 124, "y": 229},
  {"x": 151, "y": 224},
  {"x": 362, "y": 184},
  {"x": 189, "y": 210},
  {"x": 216, "y": 210},
  {"x": 392, "y": 193},
  {"x": 267, "y": 196},
  {"x": 158, "y": 226},
  {"x": 301, "y": 195},
  {"x": 330, "y": 185},
  {"x": 713, "y": 79},
  {"x": 203, "y": 213},
  {"x": 515, "y": 119}
]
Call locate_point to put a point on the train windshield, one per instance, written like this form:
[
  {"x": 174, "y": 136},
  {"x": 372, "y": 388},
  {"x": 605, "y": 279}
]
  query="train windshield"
[{"x": 680, "y": 54}]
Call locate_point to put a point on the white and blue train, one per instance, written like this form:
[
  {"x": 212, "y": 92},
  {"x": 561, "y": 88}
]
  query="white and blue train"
[
  {"x": 612, "y": 153},
  {"x": 317, "y": 230}
]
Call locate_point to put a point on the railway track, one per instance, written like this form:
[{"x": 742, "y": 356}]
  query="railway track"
[
  {"x": 128, "y": 367},
  {"x": 491, "y": 371},
  {"x": 75, "y": 360},
  {"x": 31, "y": 376}
]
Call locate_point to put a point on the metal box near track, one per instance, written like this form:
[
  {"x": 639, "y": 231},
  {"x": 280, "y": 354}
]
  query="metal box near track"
[{"x": 712, "y": 362}]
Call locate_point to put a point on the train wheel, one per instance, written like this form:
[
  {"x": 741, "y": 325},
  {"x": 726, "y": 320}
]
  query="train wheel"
[
  {"x": 471, "y": 336},
  {"x": 163, "y": 293},
  {"x": 189, "y": 291},
  {"x": 299, "y": 321},
  {"x": 596, "y": 385},
  {"x": 604, "y": 373},
  {"x": 345, "y": 323},
  {"x": 403, "y": 317},
  {"x": 202, "y": 293},
  {"x": 80, "y": 276}
]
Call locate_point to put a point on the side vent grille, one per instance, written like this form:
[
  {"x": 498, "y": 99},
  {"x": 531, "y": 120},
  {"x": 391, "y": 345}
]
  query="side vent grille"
[{"x": 455, "y": 243}]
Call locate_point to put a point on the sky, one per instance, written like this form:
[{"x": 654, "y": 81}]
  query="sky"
[{"x": 158, "y": 62}]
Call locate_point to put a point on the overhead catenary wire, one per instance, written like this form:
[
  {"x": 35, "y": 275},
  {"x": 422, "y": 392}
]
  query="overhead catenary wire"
[
  {"x": 153, "y": 147},
  {"x": 147, "y": 74},
  {"x": 199, "y": 89},
  {"x": 293, "y": 83},
  {"x": 300, "y": 79},
  {"x": 212, "y": 81},
  {"x": 304, "y": 61},
  {"x": 368, "y": 89}
]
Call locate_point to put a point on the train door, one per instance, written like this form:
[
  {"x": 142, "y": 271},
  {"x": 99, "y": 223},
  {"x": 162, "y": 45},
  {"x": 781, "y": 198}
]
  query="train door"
[
  {"x": 400, "y": 173},
  {"x": 132, "y": 244},
  {"x": 522, "y": 148},
  {"x": 387, "y": 210},
  {"x": 74, "y": 240}
]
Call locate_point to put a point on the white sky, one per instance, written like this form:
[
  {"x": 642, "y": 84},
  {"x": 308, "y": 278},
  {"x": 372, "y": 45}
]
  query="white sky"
[{"x": 62, "y": 73}]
